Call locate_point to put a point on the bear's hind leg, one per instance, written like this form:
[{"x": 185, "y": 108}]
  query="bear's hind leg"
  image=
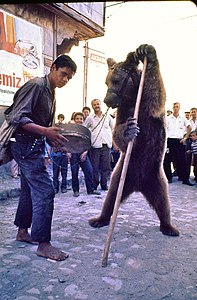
[
  {"x": 108, "y": 205},
  {"x": 157, "y": 197}
]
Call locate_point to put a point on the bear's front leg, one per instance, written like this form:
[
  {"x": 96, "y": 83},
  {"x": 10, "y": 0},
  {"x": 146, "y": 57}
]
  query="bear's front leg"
[
  {"x": 132, "y": 129},
  {"x": 126, "y": 132},
  {"x": 148, "y": 51}
]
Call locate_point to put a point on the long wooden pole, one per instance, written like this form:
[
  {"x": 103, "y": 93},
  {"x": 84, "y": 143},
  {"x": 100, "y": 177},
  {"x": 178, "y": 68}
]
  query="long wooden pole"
[{"x": 124, "y": 171}]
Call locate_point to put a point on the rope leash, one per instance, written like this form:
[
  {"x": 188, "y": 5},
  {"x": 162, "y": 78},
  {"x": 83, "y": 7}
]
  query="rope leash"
[
  {"x": 102, "y": 119},
  {"x": 72, "y": 166}
]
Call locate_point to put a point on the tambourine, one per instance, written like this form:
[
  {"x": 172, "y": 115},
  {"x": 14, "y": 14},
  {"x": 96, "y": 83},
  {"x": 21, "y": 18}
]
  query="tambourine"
[{"x": 79, "y": 137}]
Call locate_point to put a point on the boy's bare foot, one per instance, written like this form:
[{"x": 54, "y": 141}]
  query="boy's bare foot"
[
  {"x": 24, "y": 236},
  {"x": 48, "y": 251}
]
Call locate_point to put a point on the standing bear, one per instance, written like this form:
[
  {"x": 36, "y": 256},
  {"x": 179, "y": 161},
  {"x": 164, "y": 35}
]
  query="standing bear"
[{"x": 145, "y": 170}]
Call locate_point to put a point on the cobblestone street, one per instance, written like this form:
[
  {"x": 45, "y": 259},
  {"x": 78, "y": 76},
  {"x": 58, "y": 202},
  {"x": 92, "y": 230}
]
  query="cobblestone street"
[{"x": 143, "y": 264}]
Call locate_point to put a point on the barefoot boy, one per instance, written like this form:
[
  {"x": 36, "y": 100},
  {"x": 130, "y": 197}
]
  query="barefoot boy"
[{"x": 33, "y": 111}]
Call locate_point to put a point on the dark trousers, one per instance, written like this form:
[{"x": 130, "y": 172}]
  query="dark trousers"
[
  {"x": 36, "y": 202},
  {"x": 86, "y": 167},
  {"x": 114, "y": 157},
  {"x": 176, "y": 155},
  {"x": 101, "y": 160},
  {"x": 195, "y": 166},
  {"x": 60, "y": 165}
]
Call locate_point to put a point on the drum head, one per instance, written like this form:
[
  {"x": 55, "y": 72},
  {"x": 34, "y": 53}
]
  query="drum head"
[{"x": 79, "y": 137}]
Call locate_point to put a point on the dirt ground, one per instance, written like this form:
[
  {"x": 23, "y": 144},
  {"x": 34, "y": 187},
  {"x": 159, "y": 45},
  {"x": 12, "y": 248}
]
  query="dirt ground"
[{"x": 143, "y": 264}]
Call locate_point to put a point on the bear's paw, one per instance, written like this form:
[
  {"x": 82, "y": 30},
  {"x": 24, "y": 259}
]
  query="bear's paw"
[
  {"x": 98, "y": 222},
  {"x": 169, "y": 230}
]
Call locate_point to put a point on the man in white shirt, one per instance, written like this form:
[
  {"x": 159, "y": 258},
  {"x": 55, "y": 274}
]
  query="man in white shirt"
[
  {"x": 193, "y": 124},
  {"x": 193, "y": 118},
  {"x": 101, "y": 127},
  {"x": 178, "y": 130}
]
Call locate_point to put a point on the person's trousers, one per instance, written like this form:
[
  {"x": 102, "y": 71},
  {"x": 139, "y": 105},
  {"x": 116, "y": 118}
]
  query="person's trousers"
[
  {"x": 86, "y": 167},
  {"x": 36, "y": 202},
  {"x": 195, "y": 166},
  {"x": 176, "y": 155},
  {"x": 60, "y": 165},
  {"x": 14, "y": 168},
  {"x": 101, "y": 160}
]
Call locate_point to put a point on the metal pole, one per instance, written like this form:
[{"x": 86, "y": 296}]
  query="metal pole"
[{"x": 85, "y": 79}]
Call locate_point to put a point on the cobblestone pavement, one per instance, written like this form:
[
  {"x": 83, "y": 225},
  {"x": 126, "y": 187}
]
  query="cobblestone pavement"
[{"x": 143, "y": 264}]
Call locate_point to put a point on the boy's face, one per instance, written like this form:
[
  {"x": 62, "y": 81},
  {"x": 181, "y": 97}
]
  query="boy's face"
[
  {"x": 78, "y": 119},
  {"x": 61, "y": 76},
  {"x": 193, "y": 136},
  {"x": 86, "y": 113},
  {"x": 187, "y": 115},
  {"x": 61, "y": 120}
]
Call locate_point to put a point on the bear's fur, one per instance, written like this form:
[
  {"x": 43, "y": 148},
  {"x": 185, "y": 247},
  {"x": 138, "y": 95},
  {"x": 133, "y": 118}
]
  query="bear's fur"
[{"x": 145, "y": 170}]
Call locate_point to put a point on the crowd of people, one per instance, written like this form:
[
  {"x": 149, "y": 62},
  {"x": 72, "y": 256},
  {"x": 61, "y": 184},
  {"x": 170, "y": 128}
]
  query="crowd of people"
[
  {"x": 181, "y": 151},
  {"x": 37, "y": 142},
  {"x": 96, "y": 163}
]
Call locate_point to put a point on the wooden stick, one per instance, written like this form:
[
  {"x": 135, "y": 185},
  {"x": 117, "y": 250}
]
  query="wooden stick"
[{"x": 124, "y": 171}]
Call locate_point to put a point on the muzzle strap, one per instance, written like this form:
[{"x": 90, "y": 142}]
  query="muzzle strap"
[{"x": 124, "y": 84}]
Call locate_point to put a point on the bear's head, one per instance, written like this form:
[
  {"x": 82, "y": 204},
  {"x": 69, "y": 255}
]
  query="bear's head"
[{"x": 122, "y": 81}]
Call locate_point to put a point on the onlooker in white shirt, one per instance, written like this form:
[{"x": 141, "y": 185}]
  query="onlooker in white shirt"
[
  {"x": 193, "y": 118},
  {"x": 101, "y": 127},
  {"x": 178, "y": 130},
  {"x": 193, "y": 124}
]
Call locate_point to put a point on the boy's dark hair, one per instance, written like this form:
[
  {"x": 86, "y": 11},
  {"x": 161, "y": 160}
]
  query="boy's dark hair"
[
  {"x": 65, "y": 61},
  {"x": 78, "y": 114},
  {"x": 194, "y": 131},
  {"x": 61, "y": 116},
  {"x": 86, "y": 108}
]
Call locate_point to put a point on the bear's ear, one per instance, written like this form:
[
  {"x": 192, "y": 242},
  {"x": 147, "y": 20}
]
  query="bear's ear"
[
  {"x": 110, "y": 62},
  {"x": 132, "y": 58}
]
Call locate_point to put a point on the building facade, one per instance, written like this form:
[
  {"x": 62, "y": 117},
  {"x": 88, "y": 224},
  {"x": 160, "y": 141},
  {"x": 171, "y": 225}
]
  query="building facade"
[{"x": 32, "y": 35}]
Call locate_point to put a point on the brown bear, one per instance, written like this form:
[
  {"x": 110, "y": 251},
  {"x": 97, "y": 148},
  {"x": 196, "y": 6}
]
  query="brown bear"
[{"x": 145, "y": 170}]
